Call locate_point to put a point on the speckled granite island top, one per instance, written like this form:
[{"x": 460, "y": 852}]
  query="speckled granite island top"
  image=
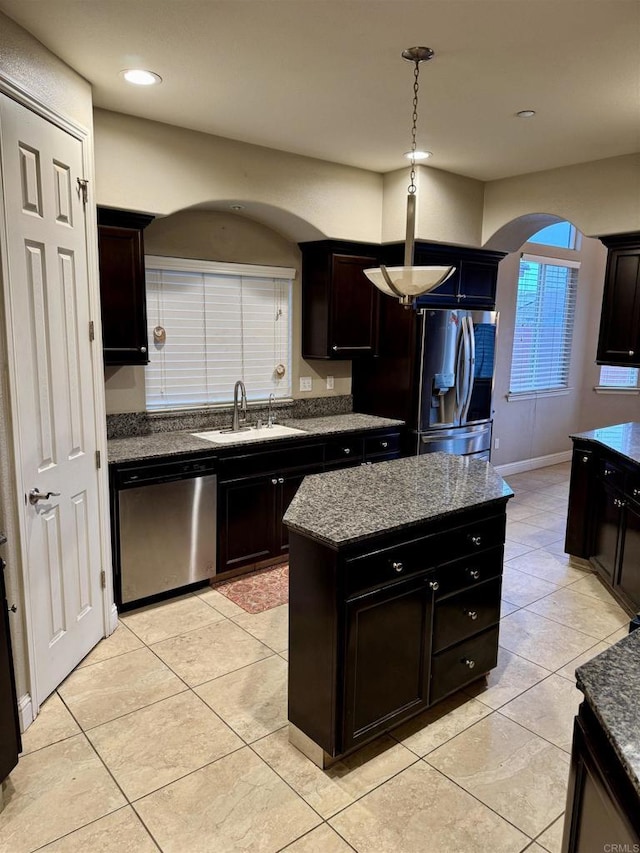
[
  {"x": 342, "y": 507},
  {"x": 611, "y": 686},
  {"x": 621, "y": 438},
  {"x": 174, "y": 443}
]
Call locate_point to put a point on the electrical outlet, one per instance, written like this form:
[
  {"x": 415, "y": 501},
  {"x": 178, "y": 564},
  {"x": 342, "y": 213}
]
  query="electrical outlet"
[
  {"x": 496, "y": 443},
  {"x": 305, "y": 383},
  {"x": 330, "y": 383}
]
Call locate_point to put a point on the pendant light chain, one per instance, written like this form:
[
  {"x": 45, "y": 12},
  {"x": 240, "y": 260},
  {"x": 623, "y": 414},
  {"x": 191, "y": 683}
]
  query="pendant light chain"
[{"x": 414, "y": 119}]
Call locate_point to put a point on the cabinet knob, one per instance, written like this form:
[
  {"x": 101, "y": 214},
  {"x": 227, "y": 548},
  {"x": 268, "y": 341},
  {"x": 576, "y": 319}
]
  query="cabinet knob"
[
  {"x": 346, "y": 450},
  {"x": 274, "y": 481},
  {"x": 384, "y": 444},
  {"x": 469, "y": 662},
  {"x": 472, "y": 614},
  {"x": 143, "y": 349},
  {"x": 397, "y": 567},
  {"x": 585, "y": 458},
  {"x": 281, "y": 480},
  {"x": 13, "y": 608},
  {"x": 474, "y": 574},
  {"x": 434, "y": 586},
  {"x": 608, "y": 472},
  {"x": 631, "y": 352},
  {"x": 476, "y": 540},
  {"x": 636, "y": 492}
]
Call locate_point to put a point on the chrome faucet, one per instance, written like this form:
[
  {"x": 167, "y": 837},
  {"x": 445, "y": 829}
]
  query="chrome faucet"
[
  {"x": 239, "y": 408},
  {"x": 271, "y": 416}
]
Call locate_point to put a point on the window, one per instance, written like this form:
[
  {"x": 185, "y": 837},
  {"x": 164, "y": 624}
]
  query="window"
[
  {"x": 211, "y": 324},
  {"x": 618, "y": 379},
  {"x": 544, "y": 325},
  {"x": 561, "y": 234}
]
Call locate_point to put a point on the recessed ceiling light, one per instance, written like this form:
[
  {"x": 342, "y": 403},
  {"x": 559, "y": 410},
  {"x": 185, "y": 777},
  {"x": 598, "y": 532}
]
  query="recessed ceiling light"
[
  {"x": 236, "y": 207},
  {"x": 140, "y": 77},
  {"x": 417, "y": 155},
  {"x": 526, "y": 113}
]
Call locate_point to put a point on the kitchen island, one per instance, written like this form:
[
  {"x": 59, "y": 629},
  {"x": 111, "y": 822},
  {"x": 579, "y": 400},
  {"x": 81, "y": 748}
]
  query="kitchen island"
[
  {"x": 603, "y": 799},
  {"x": 394, "y": 594}
]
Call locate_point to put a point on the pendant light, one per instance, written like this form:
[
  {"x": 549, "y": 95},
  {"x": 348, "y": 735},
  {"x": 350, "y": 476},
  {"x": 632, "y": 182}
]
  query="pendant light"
[{"x": 409, "y": 281}]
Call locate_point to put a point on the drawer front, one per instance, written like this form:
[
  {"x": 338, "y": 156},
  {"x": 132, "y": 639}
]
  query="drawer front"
[
  {"x": 466, "y": 613},
  {"x": 381, "y": 445},
  {"x": 344, "y": 450},
  {"x": 463, "y": 663},
  {"x": 471, "y": 571},
  {"x": 611, "y": 473},
  {"x": 428, "y": 552},
  {"x": 260, "y": 462}
]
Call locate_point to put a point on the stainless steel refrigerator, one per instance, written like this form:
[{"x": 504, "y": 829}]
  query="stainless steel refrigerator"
[{"x": 456, "y": 382}]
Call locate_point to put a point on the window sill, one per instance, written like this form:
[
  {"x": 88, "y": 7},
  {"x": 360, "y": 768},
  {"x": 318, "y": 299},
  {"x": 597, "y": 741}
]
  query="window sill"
[
  {"x": 180, "y": 411},
  {"x": 533, "y": 395},
  {"x": 609, "y": 389}
]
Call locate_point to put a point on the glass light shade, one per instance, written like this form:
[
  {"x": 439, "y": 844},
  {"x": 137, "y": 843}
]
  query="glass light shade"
[{"x": 409, "y": 281}]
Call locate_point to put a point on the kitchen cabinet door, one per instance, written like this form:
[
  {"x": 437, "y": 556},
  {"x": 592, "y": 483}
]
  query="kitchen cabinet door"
[
  {"x": 628, "y": 581},
  {"x": 619, "y": 339},
  {"x": 608, "y": 507},
  {"x": 579, "y": 524},
  {"x": 288, "y": 485},
  {"x": 387, "y": 661},
  {"x": 122, "y": 287},
  {"x": 246, "y": 521}
]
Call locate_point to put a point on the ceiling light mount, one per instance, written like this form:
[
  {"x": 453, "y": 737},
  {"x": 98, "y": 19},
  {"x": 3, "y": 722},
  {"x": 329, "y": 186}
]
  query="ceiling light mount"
[
  {"x": 141, "y": 77},
  {"x": 409, "y": 281},
  {"x": 525, "y": 113}
]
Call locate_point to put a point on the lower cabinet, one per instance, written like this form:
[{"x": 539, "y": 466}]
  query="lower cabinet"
[
  {"x": 10, "y": 742},
  {"x": 603, "y": 809},
  {"x": 381, "y": 630}
]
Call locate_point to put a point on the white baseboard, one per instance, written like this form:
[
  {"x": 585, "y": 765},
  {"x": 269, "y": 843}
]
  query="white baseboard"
[
  {"x": 25, "y": 712},
  {"x": 531, "y": 464}
]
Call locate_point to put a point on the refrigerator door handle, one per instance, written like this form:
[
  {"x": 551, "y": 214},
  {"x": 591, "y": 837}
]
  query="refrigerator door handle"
[
  {"x": 470, "y": 352},
  {"x": 460, "y": 373}
]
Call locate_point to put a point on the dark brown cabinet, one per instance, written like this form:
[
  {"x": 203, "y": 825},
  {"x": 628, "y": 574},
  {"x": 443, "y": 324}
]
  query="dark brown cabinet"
[
  {"x": 602, "y": 806},
  {"x": 382, "y": 629},
  {"x": 122, "y": 286},
  {"x": 10, "y": 743},
  {"x": 603, "y": 522},
  {"x": 339, "y": 303},
  {"x": 619, "y": 339}
]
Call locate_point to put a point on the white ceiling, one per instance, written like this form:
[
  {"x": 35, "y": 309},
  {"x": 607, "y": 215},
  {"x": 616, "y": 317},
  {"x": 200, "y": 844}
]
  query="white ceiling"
[{"x": 324, "y": 78}]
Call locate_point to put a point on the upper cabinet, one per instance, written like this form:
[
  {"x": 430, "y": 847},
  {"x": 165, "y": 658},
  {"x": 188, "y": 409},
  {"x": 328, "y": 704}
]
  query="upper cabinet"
[
  {"x": 339, "y": 303},
  {"x": 122, "y": 286},
  {"x": 619, "y": 340}
]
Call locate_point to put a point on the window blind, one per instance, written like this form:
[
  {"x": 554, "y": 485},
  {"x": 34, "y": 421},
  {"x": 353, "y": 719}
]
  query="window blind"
[
  {"x": 221, "y": 323},
  {"x": 619, "y": 377},
  {"x": 545, "y": 312}
]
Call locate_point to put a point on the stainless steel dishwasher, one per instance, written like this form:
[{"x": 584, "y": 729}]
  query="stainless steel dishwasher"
[{"x": 166, "y": 525}]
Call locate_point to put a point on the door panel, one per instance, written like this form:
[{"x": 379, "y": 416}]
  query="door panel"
[{"x": 54, "y": 414}]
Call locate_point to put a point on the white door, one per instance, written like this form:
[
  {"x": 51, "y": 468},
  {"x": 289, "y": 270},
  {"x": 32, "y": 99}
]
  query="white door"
[{"x": 52, "y": 390}]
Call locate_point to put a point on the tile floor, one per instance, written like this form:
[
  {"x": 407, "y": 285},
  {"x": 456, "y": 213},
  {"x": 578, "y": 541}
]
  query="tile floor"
[{"x": 171, "y": 735}]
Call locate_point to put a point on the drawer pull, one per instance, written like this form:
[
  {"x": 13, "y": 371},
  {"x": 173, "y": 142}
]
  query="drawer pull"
[
  {"x": 474, "y": 574},
  {"x": 585, "y": 458},
  {"x": 281, "y": 480},
  {"x": 472, "y": 614},
  {"x": 384, "y": 444},
  {"x": 468, "y": 662},
  {"x": 476, "y": 540},
  {"x": 636, "y": 492},
  {"x": 631, "y": 352},
  {"x": 608, "y": 472},
  {"x": 274, "y": 481},
  {"x": 346, "y": 450},
  {"x": 397, "y": 567},
  {"x": 434, "y": 586}
]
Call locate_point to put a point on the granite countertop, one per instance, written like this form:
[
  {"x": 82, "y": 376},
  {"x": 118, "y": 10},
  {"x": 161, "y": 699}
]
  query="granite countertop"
[
  {"x": 623, "y": 439},
  {"x": 174, "y": 443},
  {"x": 611, "y": 688},
  {"x": 347, "y": 506}
]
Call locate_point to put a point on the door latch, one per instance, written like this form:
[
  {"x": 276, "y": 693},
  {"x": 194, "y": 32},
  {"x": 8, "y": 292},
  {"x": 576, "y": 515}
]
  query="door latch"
[{"x": 36, "y": 495}]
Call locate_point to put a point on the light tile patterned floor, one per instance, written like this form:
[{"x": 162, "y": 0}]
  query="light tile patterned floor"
[{"x": 171, "y": 734}]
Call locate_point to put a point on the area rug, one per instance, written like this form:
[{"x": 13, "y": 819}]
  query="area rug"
[{"x": 259, "y": 591}]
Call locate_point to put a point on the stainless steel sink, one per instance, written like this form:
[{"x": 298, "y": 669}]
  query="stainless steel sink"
[{"x": 263, "y": 434}]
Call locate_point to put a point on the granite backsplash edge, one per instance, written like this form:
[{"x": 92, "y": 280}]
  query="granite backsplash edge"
[{"x": 129, "y": 424}]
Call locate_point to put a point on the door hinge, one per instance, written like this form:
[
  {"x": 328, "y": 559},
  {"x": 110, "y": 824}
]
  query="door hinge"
[
  {"x": 103, "y": 579},
  {"x": 98, "y": 459},
  {"x": 83, "y": 189},
  {"x": 92, "y": 331}
]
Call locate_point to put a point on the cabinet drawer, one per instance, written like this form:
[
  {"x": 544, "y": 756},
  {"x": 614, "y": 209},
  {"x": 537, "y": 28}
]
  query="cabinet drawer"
[
  {"x": 462, "y": 664},
  {"x": 471, "y": 571},
  {"x": 433, "y": 551},
  {"x": 385, "y": 444},
  {"x": 612, "y": 474},
  {"x": 344, "y": 450},
  {"x": 466, "y": 613},
  {"x": 260, "y": 462}
]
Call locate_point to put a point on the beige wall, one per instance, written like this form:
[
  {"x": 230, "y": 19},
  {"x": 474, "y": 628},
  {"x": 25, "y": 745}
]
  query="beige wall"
[
  {"x": 27, "y": 66},
  {"x": 601, "y": 197},
  {"x": 214, "y": 236},
  {"x": 528, "y": 429}
]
